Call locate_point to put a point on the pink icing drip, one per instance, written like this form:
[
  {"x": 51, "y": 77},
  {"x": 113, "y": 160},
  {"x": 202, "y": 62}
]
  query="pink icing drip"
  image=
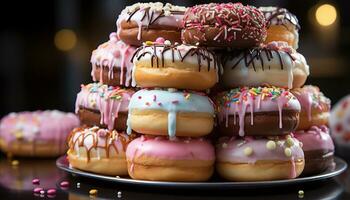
[
  {"x": 256, "y": 104},
  {"x": 317, "y": 137},
  {"x": 109, "y": 107},
  {"x": 111, "y": 54},
  {"x": 293, "y": 173},
  {"x": 177, "y": 149}
]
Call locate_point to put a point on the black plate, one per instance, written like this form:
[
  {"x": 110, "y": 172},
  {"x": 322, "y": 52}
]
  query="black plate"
[{"x": 340, "y": 166}]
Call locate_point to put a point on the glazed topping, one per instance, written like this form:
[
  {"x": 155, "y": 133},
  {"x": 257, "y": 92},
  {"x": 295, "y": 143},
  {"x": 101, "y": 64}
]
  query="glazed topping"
[
  {"x": 171, "y": 101},
  {"x": 160, "y": 52},
  {"x": 273, "y": 50},
  {"x": 316, "y": 138},
  {"x": 175, "y": 149},
  {"x": 240, "y": 101},
  {"x": 38, "y": 126},
  {"x": 96, "y": 139},
  {"x": 272, "y": 56},
  {"x": 310, "y": 97},
  {"x": 113, "y": 54},
  {"x": 148, "y": 14},
  {"x": 235, "y": 21},
  {"x": 108, "y": 100},
  {"x": 279, "y": 16},
  {"x": 250, "y": 150}
]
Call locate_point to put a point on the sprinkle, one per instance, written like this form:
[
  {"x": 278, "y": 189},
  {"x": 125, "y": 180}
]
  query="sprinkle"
[
  {"x": 175, "y": 102},
  {"x": 119, "y": 194},
  {"x": 140, "y": 97},
  {"x": 36, "y": 181},
  {"x": 271, "y": 145},
  {"x": 301, "y": 194},
  {"x": 187, "y": 96},
  {"x": 37, "y": 190},
  {"x": 14, "y": 162},
  {"x": 248, "y": 151},
  {"x": 167, "y": 42},
  {"x": 51, "y": 191},
  {"x": 64, "y": 184},
  {"x": 288, "y": 152},
  {"x": 42, "y": 192},
  {"x": 159, "y": 104},
  {"x": 147, "y": 104},
  {"x": 93, "y": 192},
  {"x": 290, "y": 142},
  {"x": 148, "y": 43},
  {"x": 78, "y": 185},
  {"x": 154, "y": 98}
]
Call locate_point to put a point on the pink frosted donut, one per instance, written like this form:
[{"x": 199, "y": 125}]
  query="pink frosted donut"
[
  {"x": 37, "y": 134},
  {"x": 259, "y": 159},
  {"x": 111, "y": 63},
  {"x": 179, "y": 159},
  {"x": 103, "y": 105},
  {"x": 98, "y": 150},
  {"x": 315, "y": 107},
  {"x": 318, "y": 149}
]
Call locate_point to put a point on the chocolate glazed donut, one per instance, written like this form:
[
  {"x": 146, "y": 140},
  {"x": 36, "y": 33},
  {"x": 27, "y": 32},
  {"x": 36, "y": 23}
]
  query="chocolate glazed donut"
[
  {"x": 147, "y": 21},
  {"x": 264, "y": 124},
  {"x": 105, "y": 76},
  {"x": 317, "y": 161},
  {"x": 224, "y": 25},
  {"x": 91, "y": 117},
  {"x": 261, "y": 111},
  {"x": 104, "y": 106}
]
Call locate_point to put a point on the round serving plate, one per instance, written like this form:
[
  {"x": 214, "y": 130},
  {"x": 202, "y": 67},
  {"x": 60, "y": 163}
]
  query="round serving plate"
[{"x": 340, "y": 166}]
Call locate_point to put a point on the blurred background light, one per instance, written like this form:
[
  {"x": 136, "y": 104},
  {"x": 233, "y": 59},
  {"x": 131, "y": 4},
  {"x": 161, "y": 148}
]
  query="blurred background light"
[
  {"x": 65, "y": 39},
  {"x": 326, "y": 14}
]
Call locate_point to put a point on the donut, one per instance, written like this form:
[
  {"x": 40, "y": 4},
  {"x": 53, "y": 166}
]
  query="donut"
[
  {"x": 178, "y": 159},
  {"x": 98, "y": 150},
  {"x": 162, "y": 64},
  {"x": 224, "y": 25},
  {"x": 170, "y": 112},
  {"x": 259, "y": 159},
  {"x": 282, "y": 25},
  {"x": 315, "y": 107},
  {"x": 104, "y": 106},
  {"x": 147, "y": 21},
  {"x": 276, "y": 64},
  {"x": 111, "y": 63},
  {"x": 36, "y": 134},
  {"x": 259, "y": 111},
  {"x": 318, "y": 149},
  {"x": 339, "y": 123}
]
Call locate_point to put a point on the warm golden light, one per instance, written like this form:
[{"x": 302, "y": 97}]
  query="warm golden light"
[
  {"x": 326, "y": 14},
  {"x": 65, "y": 40}
]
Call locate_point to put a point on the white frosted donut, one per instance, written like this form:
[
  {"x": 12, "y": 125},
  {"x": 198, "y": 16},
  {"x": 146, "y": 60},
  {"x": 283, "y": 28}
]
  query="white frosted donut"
[
  {"x": 161, "y": 64},
  {"x": 275, "y": 64},
  {"x": 98, "y": 150}
]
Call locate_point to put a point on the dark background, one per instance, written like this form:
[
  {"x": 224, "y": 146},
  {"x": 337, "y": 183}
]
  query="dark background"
[{"x": 35, "y": 74}]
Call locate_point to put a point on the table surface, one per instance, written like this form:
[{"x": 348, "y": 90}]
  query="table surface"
[{"x": 16, "y": 183}]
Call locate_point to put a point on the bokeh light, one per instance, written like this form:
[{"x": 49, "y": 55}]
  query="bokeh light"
[
  {"x": 65, "y": 39},
  {"x": 326, "y": 14}
]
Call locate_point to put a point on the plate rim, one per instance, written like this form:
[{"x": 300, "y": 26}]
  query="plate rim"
[{"x": 323, "y": 176}]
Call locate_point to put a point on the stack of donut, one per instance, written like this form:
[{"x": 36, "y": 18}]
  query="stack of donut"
[
  {"x": 148, "y": 113},
  {"x": 257, "y": 112}
]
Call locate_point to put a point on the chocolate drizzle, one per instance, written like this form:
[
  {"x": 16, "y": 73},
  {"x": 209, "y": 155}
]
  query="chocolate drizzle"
[
  {"x": 279, "y": 16},
  {"x": 109, "y": 139},
  {"x": 202, "y": 54},
  {"x": 148, "y": 15},
  {"x": 255, "y": 54}
]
